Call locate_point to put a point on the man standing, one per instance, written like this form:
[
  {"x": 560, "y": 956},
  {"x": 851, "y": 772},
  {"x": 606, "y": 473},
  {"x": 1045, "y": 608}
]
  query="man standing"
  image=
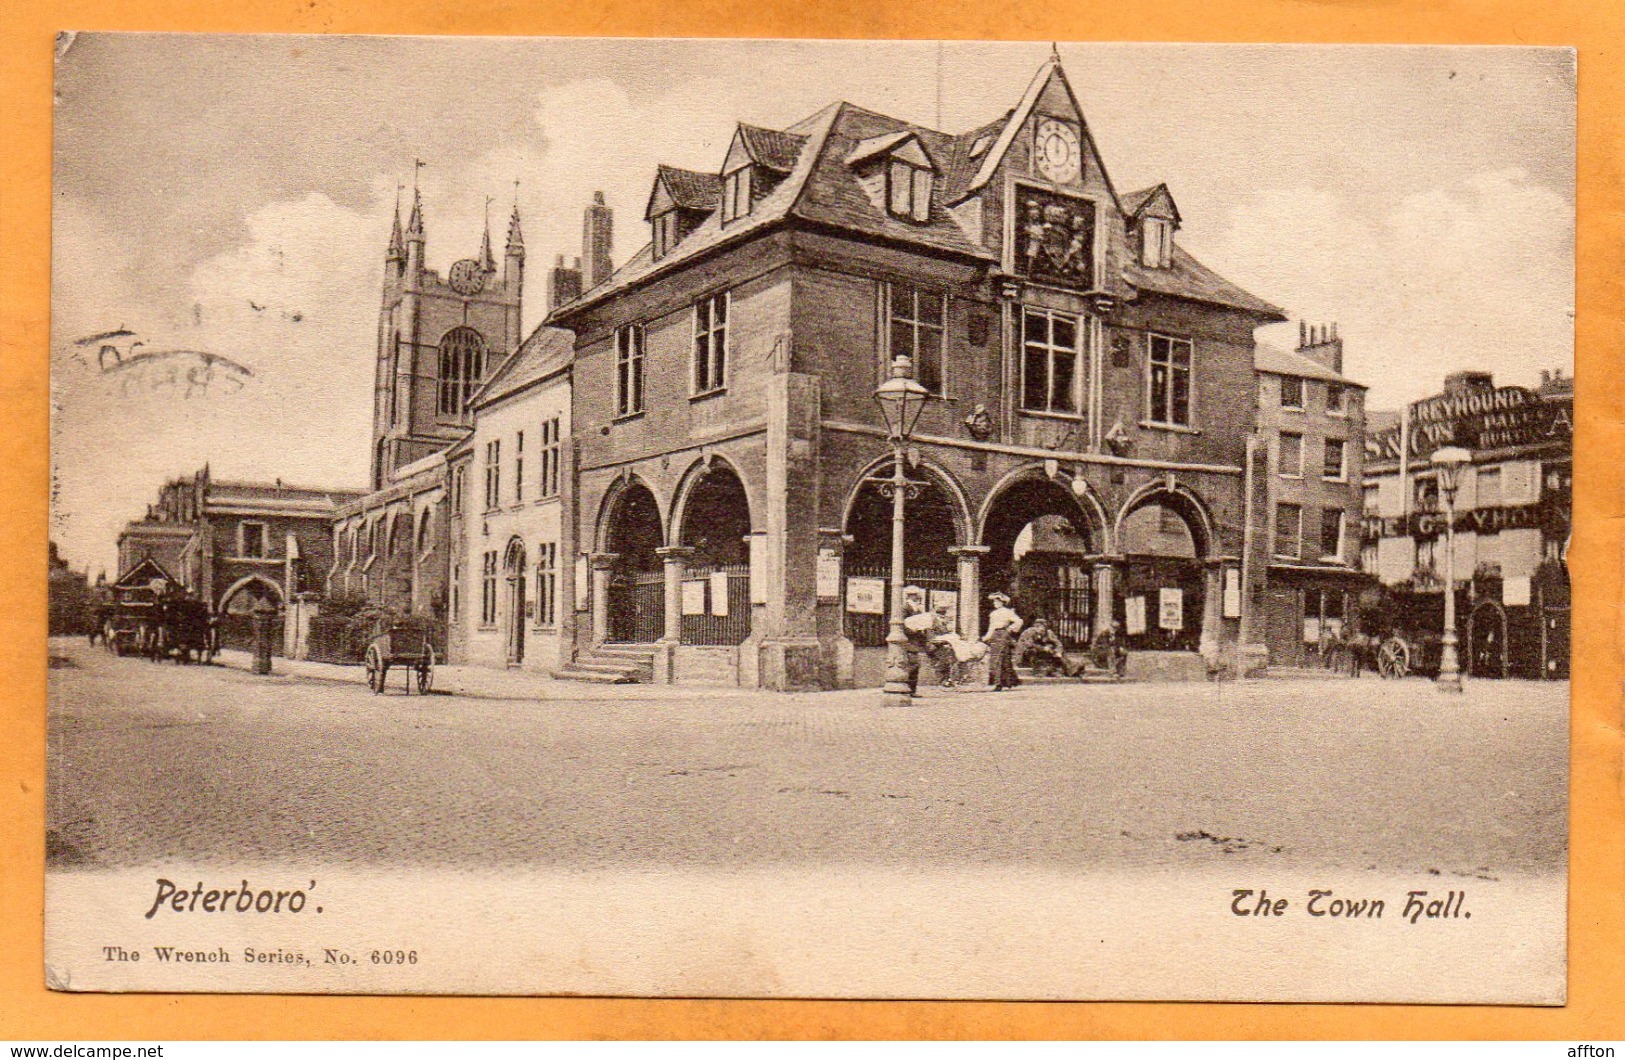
[{"x": 1002, "y": 626}]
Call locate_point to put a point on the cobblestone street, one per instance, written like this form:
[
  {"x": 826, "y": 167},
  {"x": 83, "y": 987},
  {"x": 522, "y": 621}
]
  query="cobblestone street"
[{"x": 151, "y": 763}]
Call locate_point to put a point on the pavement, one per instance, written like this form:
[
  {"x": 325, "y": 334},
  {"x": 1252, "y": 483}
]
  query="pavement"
[{"x": 149, "y": 763}]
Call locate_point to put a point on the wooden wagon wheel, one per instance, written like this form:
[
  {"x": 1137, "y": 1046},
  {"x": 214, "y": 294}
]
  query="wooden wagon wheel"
[
  {"x": 1394, "y": 658},
  {"x": 426, "y": 671},
  {"x": 376, "y": 669}
]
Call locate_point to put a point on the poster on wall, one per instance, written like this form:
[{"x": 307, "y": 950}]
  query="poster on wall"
[
  {"x": 719, "y": 593},
  {"x": 866, "y": 596},
  {"x": 694, "y": 596},
  {"x": 1134, "y": 615},
  {"x": 1171, "y": 609},
  {"x": 829, "y": 574}
]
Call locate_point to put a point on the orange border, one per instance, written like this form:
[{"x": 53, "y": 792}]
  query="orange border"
[{"x": 1596, "y": 1008}]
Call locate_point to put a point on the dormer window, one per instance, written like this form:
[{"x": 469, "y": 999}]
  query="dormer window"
[
  {"x": 736, "y": 194},
  {"x": 1156, "y": 242},
  {"x": 665, "y": 233},
  {"x": 908, "y": 190}
]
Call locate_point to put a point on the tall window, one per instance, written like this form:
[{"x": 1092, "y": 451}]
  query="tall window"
[
  {"x": 1049, "y": 361},
  {"x": 711, "y": 343},
  {"x": 252, "y": 543},
  {"x": 1291, "y": 455},
  {"x": 462, "y": 365},
  {"x": 547, "y": 584},
  {"x": 458, "y": 481},
  {"x": 736, "y": 194},
  {"x": 665, "y": 226},
  {"x": 519, "y": 468},
  {"x": 552, "y": 456},
  {"x": 1289, "y": 530},
  {"x": 1291, "y": 392},
  {"x": 1170, "y": 383},
  {"x": 915, "y": 328},
  {"x": 425, "y": 541},
  {"x": 1331, "y": 533},
  {"x": 1334, "y": 398},
  {"x": 493, "y": 474},
  {"x": 908, "y": 190},
  {"x": 629, "y": 370},
  {"x": 1156, "y": 242},
  {"x": 488, "y": 589},
  {"x": 455, "y": 591},
  {"x": 1334, "y": 468}
]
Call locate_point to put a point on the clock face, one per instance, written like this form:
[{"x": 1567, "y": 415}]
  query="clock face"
[
  {"x": 1056, "y": 148},
  {"x": 466, "y": 276}
]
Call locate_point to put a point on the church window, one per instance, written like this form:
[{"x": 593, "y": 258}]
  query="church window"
[
  {"x": 908, "y": 191},
  {"x": 1170, "y": 380},
  {"x": 462, "y": 365},
  {"x": 1049, "y": 361},
  {"x": 736, "y": 194},
  {"x": 252, "y": 542},
  {"x": 424, "y": 541},
  {"x": 629, "y": 370},
  {"x": 915, "y": 329},
  {"x": 711, "y": 343}
]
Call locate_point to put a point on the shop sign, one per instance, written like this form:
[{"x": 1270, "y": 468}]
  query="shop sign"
[
  {"x": 1476, "y": 521},
  {"x": 1504, "y": 418}
]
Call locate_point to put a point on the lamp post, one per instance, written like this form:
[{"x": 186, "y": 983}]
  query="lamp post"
[
  {"x": 1448, "y": 461},
  {"x": 901, "y": 399}
]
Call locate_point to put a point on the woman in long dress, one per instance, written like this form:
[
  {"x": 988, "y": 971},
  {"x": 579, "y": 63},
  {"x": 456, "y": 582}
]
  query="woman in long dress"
[{"x": 1002, "y": 626}]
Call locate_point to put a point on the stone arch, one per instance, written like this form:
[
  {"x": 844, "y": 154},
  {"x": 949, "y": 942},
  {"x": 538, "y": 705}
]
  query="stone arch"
[
  {"x": 939, "y": 476},
  {"x": 1179, "y": 498},
  {"x": 712, "y": 513},
  {"x": 229, "y": 597},
  {"x": 613, "y": 498}
]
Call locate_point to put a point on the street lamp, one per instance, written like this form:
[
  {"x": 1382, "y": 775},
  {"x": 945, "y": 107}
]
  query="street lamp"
[
  {"x": 901, "y": 399},
  {"x": 1448, "y": 460}
]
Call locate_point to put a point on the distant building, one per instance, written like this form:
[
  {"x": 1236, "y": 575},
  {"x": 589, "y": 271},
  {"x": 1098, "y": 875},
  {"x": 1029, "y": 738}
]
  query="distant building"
[
  {"x": 68, "y": 597},
  {"x": 1513, "y": 514},
  {"x": 1311, "y": 422},
  {"x": 234, "y": 544}
]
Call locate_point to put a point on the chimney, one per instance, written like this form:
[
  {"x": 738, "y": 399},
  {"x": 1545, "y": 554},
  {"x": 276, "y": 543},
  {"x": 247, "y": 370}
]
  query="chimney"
[
  {"x": 563, "y": 284},
  {"x": 1320, "y": 344},
  {"x": 597, "y": 242}
]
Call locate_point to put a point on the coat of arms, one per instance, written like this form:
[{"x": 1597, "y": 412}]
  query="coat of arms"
[{"x": 1055, "y": 239}]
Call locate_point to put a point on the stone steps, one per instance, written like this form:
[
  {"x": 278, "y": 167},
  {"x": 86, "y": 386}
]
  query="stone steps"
[{"x": 620, "y": 664}]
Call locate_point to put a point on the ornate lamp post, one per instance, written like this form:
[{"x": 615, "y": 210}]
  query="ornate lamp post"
[
  {"x": 901, "y": 399},
  {"x": 1448, "y": 460}
]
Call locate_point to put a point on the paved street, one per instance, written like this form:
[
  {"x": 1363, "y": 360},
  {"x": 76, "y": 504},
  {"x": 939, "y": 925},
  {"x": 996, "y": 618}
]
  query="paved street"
[{"x": 151, "y": 763}]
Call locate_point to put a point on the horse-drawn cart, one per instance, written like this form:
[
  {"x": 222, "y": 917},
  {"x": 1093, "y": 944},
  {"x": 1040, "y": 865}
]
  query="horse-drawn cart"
[{"x": 405, "y": 643}]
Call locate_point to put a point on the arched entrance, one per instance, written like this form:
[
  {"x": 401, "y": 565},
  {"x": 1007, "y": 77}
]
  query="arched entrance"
[
  {"x": 1040, "y": 540},
  {"x": 1163, "y": 537},
  {"x": 513, "y": 567},
  {"x": 932, "y": 526},
  {"x": 637, "y": 592},
  {"x": 715, "y": 523},
  {"x": 237, "y": 609},
  {"x": 1487, "y": 640}
]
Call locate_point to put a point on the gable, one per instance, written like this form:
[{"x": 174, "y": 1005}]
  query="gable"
[
  {"x": 143, "y": 574},
  {"x": 738, "y": 154},
  {"x": 660, "y": 200},
  {"x": 1049, "y": 95}
]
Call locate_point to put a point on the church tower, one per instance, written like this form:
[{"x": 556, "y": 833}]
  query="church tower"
[{"x": 439, "y": 338}]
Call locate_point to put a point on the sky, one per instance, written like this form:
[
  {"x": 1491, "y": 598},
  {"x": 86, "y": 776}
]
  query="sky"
[{"x": 232, "y": 195}]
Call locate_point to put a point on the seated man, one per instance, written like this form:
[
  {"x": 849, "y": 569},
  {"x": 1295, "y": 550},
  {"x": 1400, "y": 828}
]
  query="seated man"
[
  {"x": 1039, "y": 649},
  {"x": 1106, "y": 651}
]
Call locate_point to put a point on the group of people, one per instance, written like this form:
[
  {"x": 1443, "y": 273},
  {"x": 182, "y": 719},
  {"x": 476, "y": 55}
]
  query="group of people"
[{"x": 1006, "y": 643}]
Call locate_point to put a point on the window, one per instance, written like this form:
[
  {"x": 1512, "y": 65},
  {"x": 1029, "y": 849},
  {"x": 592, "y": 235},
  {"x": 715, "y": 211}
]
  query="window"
[
  {"x": 1489, "y": 488},
  {"x": 1156, "y": 243},
  {"x": 1291, "y": 392},
  {"x": 1170, "y": 364},
  {"x": 1291, "y": 455},
  {"x": 629, "y": 370},
  {"x": 736, "y": 194},
  {"x": 665, "y": 233},
  {"x": 488, "y": 589},
  {"x": 493, "y": 475},
  {"x": 1427, "y": 495},
  {"x": 1049, "y": 361},
  {"x": 547, "y": 584},
  {"x": 1334, "y": 399},
  {"x": 1372, "y": 501},
  {"x": 1334, "y": 468},
  {"x": 462, "y": 365},
  {"x": 455, "y": 592},
  {"x": 915, "y": 320},
  {"x": 458, "y": 480},
  {"x": 711, "y": 343},
  {"x": 519, "y": 468},
  {"x": 1331, "y": 534},
  {"x": 908, "y": 191},
  {"x": 552, "y": 456},
  {"x": 1289, "y": 530},
  {"x": 251, "y": 540},
  {"x": 425, "y": 542}
]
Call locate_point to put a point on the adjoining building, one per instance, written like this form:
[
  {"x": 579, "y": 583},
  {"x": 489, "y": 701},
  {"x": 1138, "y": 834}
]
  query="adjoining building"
[
  {"x": 1092, "y": 393},
  {"x": 1311, "y": 423},
  {"x": 1513, "y": 515},
  {"x": 236, "y": 545}
]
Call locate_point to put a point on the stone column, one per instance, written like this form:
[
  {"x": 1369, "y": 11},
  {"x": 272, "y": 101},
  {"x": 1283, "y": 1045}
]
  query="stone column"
[
  {"x": 970, "y": 588},
  {"x": 676, "y": 558},
  {"x": 1212, "y": 611},
  {"x": 602, "y": 564},
  {"x": 1105, "y": 594}
]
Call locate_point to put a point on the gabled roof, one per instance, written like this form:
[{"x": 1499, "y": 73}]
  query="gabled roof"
[
  {"x": 1185, "y": 277},
  {"x": 144, "y": 573},
  {"x": 545, "y": 352},
  {"x": 988, "y": 163},
  {"x": 878, "y": 145},
  {"x": 771, "y": 148},
  {"x": 1276, "y": 361},
  {"x": 686, "y": 188},
  {"x": 1156, "y": 200}
]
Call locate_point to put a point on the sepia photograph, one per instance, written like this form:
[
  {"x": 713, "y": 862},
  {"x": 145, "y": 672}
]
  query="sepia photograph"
[{"x": 825, "y": 519}]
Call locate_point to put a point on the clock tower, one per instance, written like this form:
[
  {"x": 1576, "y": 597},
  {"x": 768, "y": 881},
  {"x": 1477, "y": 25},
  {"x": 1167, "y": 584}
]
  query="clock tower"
[{"x": 439, "y": 338}]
